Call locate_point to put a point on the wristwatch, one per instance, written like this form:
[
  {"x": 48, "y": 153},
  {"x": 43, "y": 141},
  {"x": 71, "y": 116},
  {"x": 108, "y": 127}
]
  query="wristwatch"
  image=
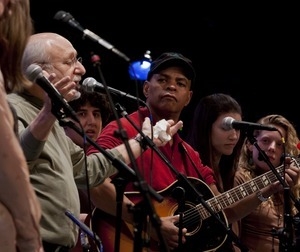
[
  {"x": 141, "y": 141},
  {"x": 261, "y": 197}
]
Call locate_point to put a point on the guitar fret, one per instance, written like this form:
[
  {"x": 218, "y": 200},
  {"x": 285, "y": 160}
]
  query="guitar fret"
[
  {"x": 230, "y": 198},
  {"x": 234, "y": 196},
  {"x": 216, "y": 205},
  {"x": 224, "y": 202},
  {"x": 204, "y": 212},
  {"x": 253, "y": 186},
  {"x": 243, "y": 191}
]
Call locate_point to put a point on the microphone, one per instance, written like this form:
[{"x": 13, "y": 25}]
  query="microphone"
[
  {"x": 91, "y": 85},
  {"x": 230, "y": 123},
  {"x": 35, "y": 74},
  {"x": 69, "y": 19}
]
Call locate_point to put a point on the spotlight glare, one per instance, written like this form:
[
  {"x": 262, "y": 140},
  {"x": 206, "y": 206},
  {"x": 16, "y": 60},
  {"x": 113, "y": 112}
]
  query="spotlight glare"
[{"x": 138, "y": 70}]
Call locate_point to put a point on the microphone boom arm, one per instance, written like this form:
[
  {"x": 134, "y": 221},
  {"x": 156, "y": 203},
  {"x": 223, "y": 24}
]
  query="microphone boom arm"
[{"x": 69, "y": 19}]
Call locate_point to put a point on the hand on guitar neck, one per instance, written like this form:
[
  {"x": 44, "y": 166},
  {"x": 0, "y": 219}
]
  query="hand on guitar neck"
[{"x": 290, "y": 179}]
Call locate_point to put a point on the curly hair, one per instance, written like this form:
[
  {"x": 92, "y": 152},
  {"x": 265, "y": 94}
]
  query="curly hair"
[
  {"x": 96, "y": 100},
  {"x": 291, "y": 139},
  {"x": 290, "y": 143}
]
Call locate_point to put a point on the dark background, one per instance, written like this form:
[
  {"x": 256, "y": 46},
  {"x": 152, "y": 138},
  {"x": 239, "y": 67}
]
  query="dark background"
[{"x": 247, "y": 50}]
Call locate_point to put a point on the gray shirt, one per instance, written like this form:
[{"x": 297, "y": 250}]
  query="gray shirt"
[{"x": 57, "y": 166}]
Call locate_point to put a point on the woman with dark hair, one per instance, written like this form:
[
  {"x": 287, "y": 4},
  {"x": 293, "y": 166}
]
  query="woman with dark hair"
[{"x": 219, "y": 147}]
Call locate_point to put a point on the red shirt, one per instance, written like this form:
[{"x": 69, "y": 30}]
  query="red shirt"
[{"x": 152, "y": 167}]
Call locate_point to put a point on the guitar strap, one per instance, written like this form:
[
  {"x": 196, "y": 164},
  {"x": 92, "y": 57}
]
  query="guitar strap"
[{"x": 183, "y": 148}]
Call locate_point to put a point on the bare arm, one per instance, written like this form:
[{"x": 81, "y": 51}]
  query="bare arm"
[{"x": 19, "y": 197}]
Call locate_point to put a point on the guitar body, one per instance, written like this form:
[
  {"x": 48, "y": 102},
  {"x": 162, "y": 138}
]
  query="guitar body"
[{"x": 203, "y": 234}]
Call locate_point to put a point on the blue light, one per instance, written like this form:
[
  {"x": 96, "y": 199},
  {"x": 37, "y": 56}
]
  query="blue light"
[{"x": 138, "y": 70}]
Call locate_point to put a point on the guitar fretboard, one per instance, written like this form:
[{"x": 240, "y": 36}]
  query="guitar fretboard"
[{"x": 237, "y": 193}]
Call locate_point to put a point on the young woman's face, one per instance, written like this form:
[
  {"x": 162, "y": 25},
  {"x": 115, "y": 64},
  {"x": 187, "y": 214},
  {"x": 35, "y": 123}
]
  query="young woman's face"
[
  {"x": 271, "y": 143},
  {"x": 91, "y": 122},
  {"x": 224, "y": 141}
]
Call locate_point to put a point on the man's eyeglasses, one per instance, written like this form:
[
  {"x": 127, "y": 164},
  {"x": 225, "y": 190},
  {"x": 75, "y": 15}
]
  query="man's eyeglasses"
[
  {"x": 69, "y": 62},
  {"x": 73, "y": 61}
]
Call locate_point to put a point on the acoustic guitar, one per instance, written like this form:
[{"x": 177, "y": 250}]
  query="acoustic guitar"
[{"x": 205, "y": 232}]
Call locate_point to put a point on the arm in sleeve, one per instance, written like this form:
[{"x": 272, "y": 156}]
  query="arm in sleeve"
[{"x": 31, "y": 146}]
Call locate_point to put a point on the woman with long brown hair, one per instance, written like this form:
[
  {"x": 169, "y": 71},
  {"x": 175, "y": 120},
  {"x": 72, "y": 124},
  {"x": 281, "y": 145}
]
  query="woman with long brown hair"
[{"x": 19, "y": 208}]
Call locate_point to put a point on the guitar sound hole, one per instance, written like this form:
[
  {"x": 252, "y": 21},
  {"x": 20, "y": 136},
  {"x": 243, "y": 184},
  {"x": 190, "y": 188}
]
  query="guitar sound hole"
[{"x": 191, "y": 219}]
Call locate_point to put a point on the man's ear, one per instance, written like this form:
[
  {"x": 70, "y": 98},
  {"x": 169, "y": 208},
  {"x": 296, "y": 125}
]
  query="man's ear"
[
  {"x": 146, "y": 88},
  {"x": 189, "y": 98}
]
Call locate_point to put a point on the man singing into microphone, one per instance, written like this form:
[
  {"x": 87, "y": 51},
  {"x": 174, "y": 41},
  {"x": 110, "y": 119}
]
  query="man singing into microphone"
[{"x": 56, "y": 164}]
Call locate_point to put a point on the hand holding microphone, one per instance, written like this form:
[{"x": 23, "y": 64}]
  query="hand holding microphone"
[{"x": 35, "y": 74}]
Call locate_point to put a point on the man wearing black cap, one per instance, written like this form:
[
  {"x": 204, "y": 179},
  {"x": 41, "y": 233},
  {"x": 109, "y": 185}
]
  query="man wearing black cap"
[
  {"x": 167, "y": 91},
  {"x": 170, "y": 59}
]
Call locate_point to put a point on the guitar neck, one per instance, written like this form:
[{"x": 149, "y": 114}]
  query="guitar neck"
[{"x": 218, "y": 203}]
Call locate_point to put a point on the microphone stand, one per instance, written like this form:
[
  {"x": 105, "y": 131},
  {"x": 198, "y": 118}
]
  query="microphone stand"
[
  {"x": 86, "y": 231},
  {"x": 184, "y": 181},
  {"x": 179, "y": 194},
  {"x": 120, "y": 179},
  {"x": 286, "y": 233}
]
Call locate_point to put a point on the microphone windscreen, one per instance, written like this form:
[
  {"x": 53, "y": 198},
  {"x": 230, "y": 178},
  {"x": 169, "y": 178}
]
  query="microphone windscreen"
[
  {"x": 33, "y": 72},
  {"x": 89, "y": 84},
  {"x": 68, "y": 18},
  {"x": 63, "y": 16}
]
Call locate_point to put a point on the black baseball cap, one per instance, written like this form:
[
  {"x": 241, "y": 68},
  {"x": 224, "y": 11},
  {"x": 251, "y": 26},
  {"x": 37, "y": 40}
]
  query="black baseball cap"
[{"x": 169, "y": 59}]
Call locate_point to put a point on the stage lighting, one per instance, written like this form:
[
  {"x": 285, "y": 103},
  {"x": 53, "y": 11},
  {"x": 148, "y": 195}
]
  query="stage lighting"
[{"x": 139, "y": 69}]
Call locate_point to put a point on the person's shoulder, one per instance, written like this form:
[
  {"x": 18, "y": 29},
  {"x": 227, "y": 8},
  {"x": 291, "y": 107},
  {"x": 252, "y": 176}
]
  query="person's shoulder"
[
  {"x": 14, "y": 98},
  {"x": 241, "y": 175},
  {"x": 124, "y": 122},
  {"x": 241, "y": 170},
  {"x": 12, "y": 95},
  {"x": 188, "y": 147}
]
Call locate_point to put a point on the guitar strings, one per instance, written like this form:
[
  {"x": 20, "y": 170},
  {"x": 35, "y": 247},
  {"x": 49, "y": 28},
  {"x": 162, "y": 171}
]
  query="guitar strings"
[{"x": 218, "y": 203}]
